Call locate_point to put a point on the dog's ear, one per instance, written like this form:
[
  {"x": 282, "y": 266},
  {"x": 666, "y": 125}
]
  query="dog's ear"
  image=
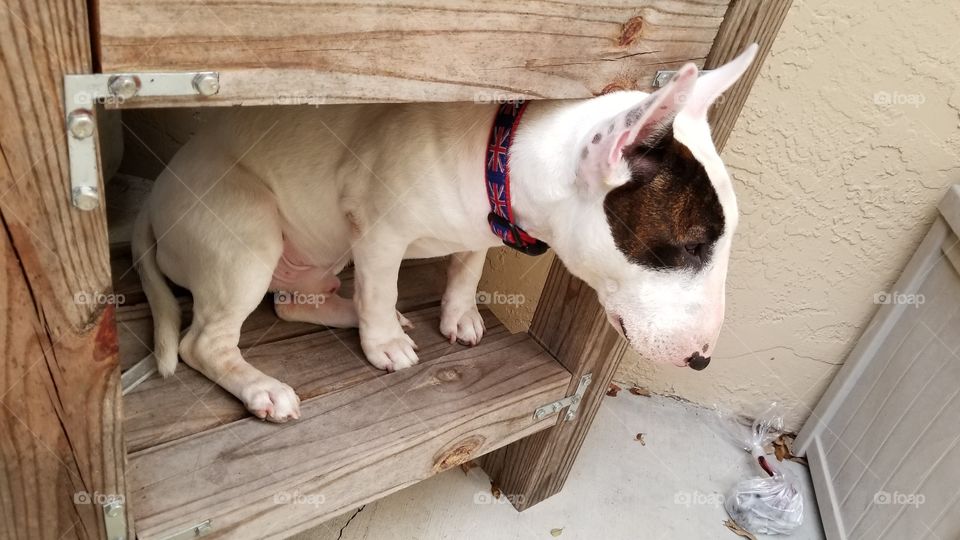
[
  {"x": 601, "y": 154},
  {"x": 714, "y": 83}
]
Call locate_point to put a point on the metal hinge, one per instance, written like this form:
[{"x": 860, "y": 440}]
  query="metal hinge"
[
  {"x": 663, "y": 76},
  {"x": 81, "y": 95},
  {"x": 115, "y": 519},
  {"x": 571, "y": 402},
  {"x": 196, "y": 531}
]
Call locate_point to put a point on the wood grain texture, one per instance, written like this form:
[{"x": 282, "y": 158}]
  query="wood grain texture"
[
  {"x": 746, "y": 22},
  {"x": 314, "y": 362},
  {"x": 325, "y": 51},
  {"x": 353, "y": 445},
  {"x": 59, "y": 382},
  {"x": 570, "y": 322}
]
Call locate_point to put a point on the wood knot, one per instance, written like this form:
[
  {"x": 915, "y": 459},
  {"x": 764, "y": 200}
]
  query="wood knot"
[
  {"x": 630, "y": 31},
  {"x": 448, "y": 375},
  {"x": 458, "y": 453}
]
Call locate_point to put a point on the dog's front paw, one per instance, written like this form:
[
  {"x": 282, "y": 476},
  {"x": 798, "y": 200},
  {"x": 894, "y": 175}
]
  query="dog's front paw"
[
  {"x": 392, "y": 353},
  {"x": 465, "y": 328},
  {"x": 270, "y": 399}
]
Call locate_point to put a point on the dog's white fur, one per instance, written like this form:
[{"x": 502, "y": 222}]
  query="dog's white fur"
[{"x": 283, "y": 198}]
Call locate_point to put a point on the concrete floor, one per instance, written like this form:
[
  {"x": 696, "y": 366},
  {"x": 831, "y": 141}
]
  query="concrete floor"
[{"x": 670, "y": 488}]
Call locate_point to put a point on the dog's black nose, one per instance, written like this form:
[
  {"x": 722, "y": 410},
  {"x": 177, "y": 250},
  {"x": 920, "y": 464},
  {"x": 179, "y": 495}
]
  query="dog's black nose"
[{"x": 698, "y": 362}]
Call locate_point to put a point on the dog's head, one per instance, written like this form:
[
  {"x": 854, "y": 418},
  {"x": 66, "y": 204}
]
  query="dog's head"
[{"x": 655, "y": 214}]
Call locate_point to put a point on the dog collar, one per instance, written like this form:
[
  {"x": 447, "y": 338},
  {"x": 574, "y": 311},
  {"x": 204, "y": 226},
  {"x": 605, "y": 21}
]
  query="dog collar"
[{"x": 497, "y": 173}]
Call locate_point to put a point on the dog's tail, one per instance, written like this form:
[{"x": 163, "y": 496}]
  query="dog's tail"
[{"x": 163, "y": 304}]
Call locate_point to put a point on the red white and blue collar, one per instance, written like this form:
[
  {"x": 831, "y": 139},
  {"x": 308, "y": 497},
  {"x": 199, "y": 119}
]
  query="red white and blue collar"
[{"x": 497, "y": 173}]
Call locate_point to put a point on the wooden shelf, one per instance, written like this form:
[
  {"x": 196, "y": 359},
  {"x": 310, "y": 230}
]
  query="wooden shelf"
[{"x": 195, "y": 454}]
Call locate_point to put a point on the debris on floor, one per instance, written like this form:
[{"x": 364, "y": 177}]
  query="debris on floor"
[
  {"x": 639, "y": 391},
  {"x": 613, "y": 390},
  {"x": 556, "y": 532},
  {"x": 770, "y": 504},
  {"x": 495, "y": 490},
  {"x": 738, "y": 530},
  {"x": 640, "y": 439}
]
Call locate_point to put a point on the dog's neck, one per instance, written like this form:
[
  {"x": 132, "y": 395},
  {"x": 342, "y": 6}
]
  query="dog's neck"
[{"x": 546, "y": 195}]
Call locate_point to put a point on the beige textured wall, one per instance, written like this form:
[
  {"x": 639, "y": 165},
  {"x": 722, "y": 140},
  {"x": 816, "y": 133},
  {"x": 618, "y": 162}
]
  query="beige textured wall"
[{"x": 847, "y": 142}]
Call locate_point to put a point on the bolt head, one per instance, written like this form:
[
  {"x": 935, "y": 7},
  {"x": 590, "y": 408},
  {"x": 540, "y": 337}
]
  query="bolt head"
[
  {"x": 86, "y": 197},
  {"x": 81, "y": 124},
  {"x": 206, "y": 84},
  {"x": 123, "y": 86},
  {"x": 539, "y": 414},
  {"x": 570, "y": 415}
]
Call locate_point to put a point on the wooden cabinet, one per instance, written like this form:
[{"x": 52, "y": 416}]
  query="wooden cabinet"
[{"x": 180, "y": 452}]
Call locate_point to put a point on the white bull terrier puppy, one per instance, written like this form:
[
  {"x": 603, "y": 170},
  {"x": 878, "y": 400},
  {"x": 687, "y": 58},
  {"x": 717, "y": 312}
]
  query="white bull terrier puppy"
[{"x": 627, "y": 188}]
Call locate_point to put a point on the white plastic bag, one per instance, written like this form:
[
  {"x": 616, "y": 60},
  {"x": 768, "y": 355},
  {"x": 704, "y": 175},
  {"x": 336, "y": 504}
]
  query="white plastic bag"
[{"x": 764, "y": 505}]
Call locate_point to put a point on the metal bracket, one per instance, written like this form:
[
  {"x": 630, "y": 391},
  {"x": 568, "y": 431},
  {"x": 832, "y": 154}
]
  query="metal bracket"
[
  {"x": 196, "y": 531},
  {"x": 115, "y": 519},
  {"x": 82, "y": 93},
  {"x": 663, "y": 76},
  {"x": 571, "y": 402}
]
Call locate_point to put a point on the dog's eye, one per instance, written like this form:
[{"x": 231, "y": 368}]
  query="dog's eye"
[{"x": 695, "y": 250}]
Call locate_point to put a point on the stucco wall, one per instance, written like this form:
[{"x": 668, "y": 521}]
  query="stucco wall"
[{"x": 847, "y": 142}]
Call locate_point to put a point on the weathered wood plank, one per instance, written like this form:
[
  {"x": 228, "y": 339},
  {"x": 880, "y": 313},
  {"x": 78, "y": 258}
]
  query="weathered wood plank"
[
  {"x": 746, "y": 22},
  {"x": 60, "y": 432},
  {"x": 314, "y": 363},
  {"x": 571, "y": 325},
  {"x": 261, "y": 480},
  {"x": 570, "y": 322},
  {"x": 325, "y": 51}
]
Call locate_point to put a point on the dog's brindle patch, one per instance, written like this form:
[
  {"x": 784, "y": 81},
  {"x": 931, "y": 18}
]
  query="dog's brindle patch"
[{"x": 668, "y": 215}]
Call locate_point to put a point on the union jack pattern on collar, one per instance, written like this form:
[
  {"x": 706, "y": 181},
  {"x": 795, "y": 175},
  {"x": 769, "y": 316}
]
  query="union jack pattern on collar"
[{"x": 497, "y": 172}]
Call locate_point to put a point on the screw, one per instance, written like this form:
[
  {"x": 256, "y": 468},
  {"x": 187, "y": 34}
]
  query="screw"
[
  {"x": 570, "y": 415},
  {"x": 86, "y": 197},
  {"x": 206, "y": 84},
  {"x": 574, "y": 399},
  {"x": 539, "y": 414},
  {"x": 123, "y": 86},
  {"x": 81, "y": 124}
]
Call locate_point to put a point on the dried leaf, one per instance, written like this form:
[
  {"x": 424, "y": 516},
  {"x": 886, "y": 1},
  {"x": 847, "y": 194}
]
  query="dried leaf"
[
  {"x": 466, "y": 466},
  {"x": 639, "y": 391},
  {"x": 556, "y": 532},
  {"x": 738, "y": 530},
  {"x": 495, "y": 490},
  {"x": 613, "y": 390},
  {"x": 783, "y": 449},
  {"x": 640, "y": 439}
]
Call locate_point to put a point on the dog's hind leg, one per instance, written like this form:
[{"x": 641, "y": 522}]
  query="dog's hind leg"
[{"x": 223, "y": 245}]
